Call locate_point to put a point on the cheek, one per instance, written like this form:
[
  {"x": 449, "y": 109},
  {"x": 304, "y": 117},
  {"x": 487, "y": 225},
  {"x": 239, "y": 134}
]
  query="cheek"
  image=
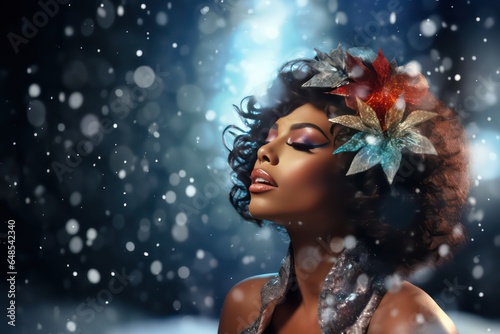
[{"x": 310, "y": 176}]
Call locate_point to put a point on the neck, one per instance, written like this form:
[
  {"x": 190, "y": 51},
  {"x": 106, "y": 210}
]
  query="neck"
[{"x": 313, "y": 257}]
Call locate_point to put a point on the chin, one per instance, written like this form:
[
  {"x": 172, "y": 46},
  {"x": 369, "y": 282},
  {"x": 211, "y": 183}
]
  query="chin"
[
  {"x": 262, "y": 213},
  {"x": 271, "y": 215},
  {"x": 258, "y": 213}
]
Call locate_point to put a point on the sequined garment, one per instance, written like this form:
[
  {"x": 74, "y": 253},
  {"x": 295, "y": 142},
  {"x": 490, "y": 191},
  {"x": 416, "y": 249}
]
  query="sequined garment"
[{"x": 350, "y": 294}]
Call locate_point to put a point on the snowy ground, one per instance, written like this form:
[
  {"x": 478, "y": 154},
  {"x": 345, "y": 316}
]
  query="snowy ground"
[
  {"x": 120, "y": 320},
  {"x": 471, "y": 324},
  {"x": 178, "y": 325},
  {"x": 466, "y": 324}
]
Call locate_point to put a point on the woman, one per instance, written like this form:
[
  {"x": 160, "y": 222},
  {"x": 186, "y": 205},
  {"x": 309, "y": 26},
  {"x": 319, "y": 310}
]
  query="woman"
[{"x": 360, "y": 220}]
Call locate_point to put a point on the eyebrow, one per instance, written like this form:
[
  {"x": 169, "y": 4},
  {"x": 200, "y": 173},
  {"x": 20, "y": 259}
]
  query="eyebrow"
[{"x": 308, "y": 125}]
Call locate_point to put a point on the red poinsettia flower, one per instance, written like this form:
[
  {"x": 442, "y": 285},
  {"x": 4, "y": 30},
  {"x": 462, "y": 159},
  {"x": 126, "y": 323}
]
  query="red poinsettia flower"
[{"x": 379, "y": 84}]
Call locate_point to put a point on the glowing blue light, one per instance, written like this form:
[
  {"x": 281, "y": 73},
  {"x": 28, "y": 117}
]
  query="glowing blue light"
[
  {"x": 267, "y": 34},
  {"x": 258, "y": 44},
  {"x": 485, "y": 155},
  {"x": 267, "y": 19}
]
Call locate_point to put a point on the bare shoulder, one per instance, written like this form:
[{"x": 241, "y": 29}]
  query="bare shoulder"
[
  {"x": 410, "y": 310},
  {"x": 242, "y": 304}
]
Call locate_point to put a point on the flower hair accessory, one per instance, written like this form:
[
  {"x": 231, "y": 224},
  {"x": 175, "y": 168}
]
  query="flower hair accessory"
[{"x": 380, "y": 92}]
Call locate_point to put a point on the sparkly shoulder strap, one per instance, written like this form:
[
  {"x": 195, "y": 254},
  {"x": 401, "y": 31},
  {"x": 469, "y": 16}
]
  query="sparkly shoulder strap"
[
  {"x": 272, "y": 293},
  {"x": 350, "y": 294}
]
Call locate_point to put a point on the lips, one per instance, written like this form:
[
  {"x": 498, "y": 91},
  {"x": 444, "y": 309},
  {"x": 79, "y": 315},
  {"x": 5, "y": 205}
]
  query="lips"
[{"x": 261, "y": 181}]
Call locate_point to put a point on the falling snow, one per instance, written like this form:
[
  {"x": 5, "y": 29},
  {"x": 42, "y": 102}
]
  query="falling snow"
[{"x": 115, "y": 172}]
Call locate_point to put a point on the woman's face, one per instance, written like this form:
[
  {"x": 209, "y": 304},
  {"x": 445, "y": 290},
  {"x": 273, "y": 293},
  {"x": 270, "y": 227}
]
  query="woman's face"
[{"x": 296, "y": 178}]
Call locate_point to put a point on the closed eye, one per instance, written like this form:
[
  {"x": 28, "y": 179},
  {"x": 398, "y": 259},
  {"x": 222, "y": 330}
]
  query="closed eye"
[{"x": 304, "y": 146}]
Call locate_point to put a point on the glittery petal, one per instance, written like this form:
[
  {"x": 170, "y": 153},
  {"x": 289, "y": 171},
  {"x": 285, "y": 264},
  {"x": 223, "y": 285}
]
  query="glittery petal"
[
  {"x": 328, "y": 76},
  {"x": 415, "y": 84},
  {"x": 391, "y": 158},
  {"x": 356, "y": 142},
  {"x": 417, "y": 143},
  {"x": 366, "y": 158},
  {"x": 382, "y": 67},
  {"x": 350, "y": 121},
  {"x": 395, "y": 114},
  {"x": 331, "y": 68},
  {"x": 414, "y": 118},
  {"x": 336, "y": 57},
  {"x": 368, "y": 116},
  {"x": 345, "y": 90}
]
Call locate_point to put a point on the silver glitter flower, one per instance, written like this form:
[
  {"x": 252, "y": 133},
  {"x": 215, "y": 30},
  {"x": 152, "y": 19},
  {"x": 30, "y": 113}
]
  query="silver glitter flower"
[{"x": 331, "y": 69}]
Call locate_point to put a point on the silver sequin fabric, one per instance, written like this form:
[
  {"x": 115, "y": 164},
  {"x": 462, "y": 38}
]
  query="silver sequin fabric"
[{"x": 351, "y": 292}]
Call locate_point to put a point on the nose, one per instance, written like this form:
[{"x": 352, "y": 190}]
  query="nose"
[{"x": 266, "y": 153}]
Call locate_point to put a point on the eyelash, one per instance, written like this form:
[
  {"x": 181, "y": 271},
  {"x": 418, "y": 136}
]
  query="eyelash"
[{"x": 305, "y": 147}]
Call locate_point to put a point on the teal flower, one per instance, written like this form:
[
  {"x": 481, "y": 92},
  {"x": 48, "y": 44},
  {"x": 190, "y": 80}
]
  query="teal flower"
[{"x": 384, "y": 147}]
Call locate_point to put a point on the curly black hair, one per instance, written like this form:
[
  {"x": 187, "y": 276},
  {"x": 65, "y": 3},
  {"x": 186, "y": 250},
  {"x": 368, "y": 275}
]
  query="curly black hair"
[{"x": 411, "y": 222}]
